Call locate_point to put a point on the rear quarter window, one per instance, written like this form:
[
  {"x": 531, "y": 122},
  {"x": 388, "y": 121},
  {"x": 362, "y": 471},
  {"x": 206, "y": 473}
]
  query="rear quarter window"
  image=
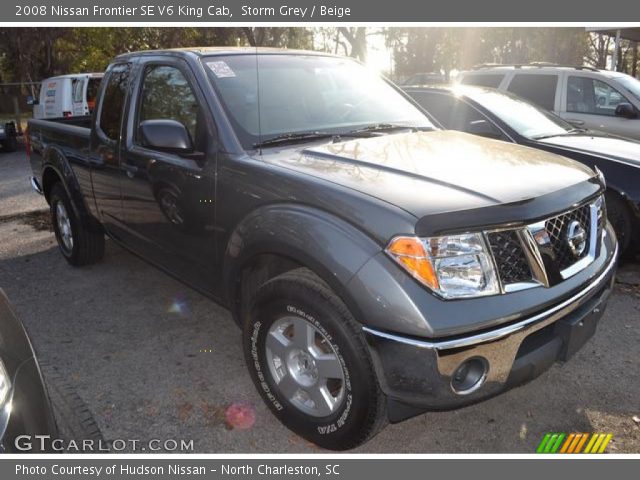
[
  {"x": 113, "y": 101},
  {"x": 490, "y": 80},
  {"x": 537, "y": 88}
]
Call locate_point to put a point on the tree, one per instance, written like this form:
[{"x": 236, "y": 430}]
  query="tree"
[
  {"x": 357, "y": 39},
  {"x": 281, "y": 37}
]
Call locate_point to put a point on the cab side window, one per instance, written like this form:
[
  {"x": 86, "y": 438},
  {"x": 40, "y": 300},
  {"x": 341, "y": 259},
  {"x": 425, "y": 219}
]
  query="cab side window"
[
  {"x": 113, "y": 101},
  {"x": 167, "y": 95},
  {"x": 491, "y": 80},
  {"x": 439, "y": 105},
  {"x": 455, "y": 114},
  {"x": 537, "y": 88},
  {"x": 588, "y": 95}
]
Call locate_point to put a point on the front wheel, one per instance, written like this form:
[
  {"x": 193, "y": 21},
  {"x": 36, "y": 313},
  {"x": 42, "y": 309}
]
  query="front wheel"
[
  {"x": 310, "y": 362},
  {"x": 622, "y": 221}
]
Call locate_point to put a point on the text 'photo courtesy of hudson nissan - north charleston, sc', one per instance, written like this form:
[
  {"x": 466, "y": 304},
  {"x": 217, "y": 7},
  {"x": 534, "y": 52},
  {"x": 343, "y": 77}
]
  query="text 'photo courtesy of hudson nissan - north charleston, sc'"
[{"x": 378, "y": 266}]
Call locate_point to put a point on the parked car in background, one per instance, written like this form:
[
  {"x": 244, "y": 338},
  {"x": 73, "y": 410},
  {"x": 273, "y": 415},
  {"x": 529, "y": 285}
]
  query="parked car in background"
[
  {"x": 377, "y": 265},
  {"x": 67, "y": 96},
  {"x": 504, "y": 116},
  {"x": 427, "y": 78},
  {"x": 36, "y": 401},
  {"x": 583, "y": 96},
  {"x": 8, "y": 137}
]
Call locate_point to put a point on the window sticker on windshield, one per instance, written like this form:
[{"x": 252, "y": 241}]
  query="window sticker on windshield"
[{"x": 220, "y": 69}]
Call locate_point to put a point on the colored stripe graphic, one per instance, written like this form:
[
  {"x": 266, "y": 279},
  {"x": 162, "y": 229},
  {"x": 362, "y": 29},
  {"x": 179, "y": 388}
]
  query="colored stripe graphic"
[
  {"x": 581, "y": 443},
  {"x": 543, "y": 443},
  {"x": 592, "y": 441},
  {"x": 554, "y": 442},
  {"x": 556, "y": 445},
  {"x": 605, "y": 442},
  {"x": 568, "y": 442}
]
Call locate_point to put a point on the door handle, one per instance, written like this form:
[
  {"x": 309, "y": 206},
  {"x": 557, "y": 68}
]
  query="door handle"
[
  {"x": 575, "y": 121},
  {"x": 131, "y": 170}
]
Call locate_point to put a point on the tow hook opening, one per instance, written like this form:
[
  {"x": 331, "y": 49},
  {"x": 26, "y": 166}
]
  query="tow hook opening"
[{"x": 470, "y": 375}]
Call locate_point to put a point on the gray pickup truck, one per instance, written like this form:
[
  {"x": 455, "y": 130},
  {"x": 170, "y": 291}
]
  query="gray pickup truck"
[{"x": 378, "y": 266}]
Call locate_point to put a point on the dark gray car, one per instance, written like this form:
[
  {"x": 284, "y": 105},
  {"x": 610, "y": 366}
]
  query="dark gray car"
[
  {"x": 40, "y": 412},
  {"x": 378, "y": 266}
]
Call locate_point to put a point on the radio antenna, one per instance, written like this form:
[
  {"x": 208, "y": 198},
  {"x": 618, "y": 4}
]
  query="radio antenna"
[{"x": 258, "y": 100}]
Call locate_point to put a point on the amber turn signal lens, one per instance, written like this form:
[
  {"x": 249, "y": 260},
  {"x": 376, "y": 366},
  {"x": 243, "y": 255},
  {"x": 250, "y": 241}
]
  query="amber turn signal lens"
[{"x": 411, "y": 254}]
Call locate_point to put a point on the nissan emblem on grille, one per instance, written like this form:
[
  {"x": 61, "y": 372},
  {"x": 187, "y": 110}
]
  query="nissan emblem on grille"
[{"x": 576, "y": 238}]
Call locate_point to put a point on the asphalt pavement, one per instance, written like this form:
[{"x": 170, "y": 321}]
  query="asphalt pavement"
[{"x": 155, "y": 360}]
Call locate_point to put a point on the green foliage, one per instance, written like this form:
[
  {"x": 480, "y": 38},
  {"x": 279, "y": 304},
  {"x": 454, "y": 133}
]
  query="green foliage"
[
  {"x": 31, "y": 54},
  {"x": 434, "y": 49}
]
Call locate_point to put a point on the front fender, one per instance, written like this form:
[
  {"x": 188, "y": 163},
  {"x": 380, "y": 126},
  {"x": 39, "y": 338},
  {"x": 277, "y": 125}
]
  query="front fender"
[{"x": 334, "y": 249}]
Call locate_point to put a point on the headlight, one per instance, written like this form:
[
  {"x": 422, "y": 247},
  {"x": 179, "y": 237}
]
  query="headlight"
[
  {"x": 5, "y": 384},
  {"x": 454, "y": 266}
]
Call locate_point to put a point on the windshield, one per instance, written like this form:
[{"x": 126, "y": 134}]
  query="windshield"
[
  {"x": 631, "y": 84},
  {"x": 305, "y": 93},
  {"x": 525, "y": 118}
]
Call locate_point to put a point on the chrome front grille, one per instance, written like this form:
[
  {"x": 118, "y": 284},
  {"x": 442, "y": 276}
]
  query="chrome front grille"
[
  {"x": 548, "y": 251},
  {"x": 557, "y": 228},
  {"x": 509, "y": 255}
]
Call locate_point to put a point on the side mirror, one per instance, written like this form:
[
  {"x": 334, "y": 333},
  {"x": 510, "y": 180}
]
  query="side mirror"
[
  {"x": 484, "y": 129},
  {"x": 626, "y": 110},
  {"x": 31, "y": 100},
  {"x": 168, "y": 135}
]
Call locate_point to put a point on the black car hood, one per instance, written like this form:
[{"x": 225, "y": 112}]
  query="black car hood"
[
  {"x": 600, "y": 144},
  {"x": 427, "y": 173}
]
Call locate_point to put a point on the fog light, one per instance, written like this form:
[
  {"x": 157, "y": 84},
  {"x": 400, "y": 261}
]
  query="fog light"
[{"x": 469, "y": 376}]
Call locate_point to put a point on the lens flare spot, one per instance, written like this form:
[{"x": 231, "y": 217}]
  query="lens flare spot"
[
  {"x": 179, "y": 306},
  {"x": 240, "y": 415}
]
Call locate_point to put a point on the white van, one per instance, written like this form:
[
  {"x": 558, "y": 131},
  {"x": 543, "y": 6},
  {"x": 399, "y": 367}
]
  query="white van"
[
  {"x": 586, "y": 97},
  {"x": 67, "y": 96}
]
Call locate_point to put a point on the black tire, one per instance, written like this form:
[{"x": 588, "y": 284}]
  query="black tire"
[
  {"x": 622, "y": 221},
  {"x": 362, "y": 411},
  {"x": 87, "y": 245},
  {"x": 73, "y": 418}
]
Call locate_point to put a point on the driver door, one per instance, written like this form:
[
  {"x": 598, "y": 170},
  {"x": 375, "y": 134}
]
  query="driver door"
[{"x": 168, "y": 196}]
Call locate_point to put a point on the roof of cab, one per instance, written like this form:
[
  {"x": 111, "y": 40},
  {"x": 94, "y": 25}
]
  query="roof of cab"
[
  {"x": 534, "y": 68},
  {"x": 205, "y": 51},
  {"x": 448, "y": 87}
]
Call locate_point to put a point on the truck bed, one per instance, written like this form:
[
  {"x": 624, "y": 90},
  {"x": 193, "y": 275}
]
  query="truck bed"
[
  {"x": 71, "y": 137},
  {"x": 76, "y": 125}
]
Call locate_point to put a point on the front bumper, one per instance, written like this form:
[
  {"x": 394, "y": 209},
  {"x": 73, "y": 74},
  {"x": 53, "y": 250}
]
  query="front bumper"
[{"x": 414, "y": 372}]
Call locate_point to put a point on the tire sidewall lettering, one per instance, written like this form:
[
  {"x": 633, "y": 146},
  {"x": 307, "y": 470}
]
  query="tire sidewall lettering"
[{"x": 262, "y": 372}]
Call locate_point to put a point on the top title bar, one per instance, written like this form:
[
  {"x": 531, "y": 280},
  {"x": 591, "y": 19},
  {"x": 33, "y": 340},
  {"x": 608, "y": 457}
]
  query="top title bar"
[{"x": 263, "y": 11}]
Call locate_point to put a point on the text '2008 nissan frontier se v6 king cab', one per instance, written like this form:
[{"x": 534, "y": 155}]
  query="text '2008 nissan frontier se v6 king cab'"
[{"x": 378, "y": 266}]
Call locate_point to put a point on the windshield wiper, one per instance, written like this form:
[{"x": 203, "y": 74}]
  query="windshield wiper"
[
  {"x": 369, "y": 130},
  {"x": 287, "y": 138},
  {"x": 567, "y": 132},
  {"x": 381, "y": 127}
]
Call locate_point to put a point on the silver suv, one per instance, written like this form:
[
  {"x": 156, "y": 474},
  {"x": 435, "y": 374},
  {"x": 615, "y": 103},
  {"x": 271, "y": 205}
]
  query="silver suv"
[{"x": 586, "y": 97}]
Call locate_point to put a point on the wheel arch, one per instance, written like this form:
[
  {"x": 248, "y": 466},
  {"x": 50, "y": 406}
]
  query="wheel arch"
[
  {"x": 279, "y": 238},
  {"x": 56, "y": 168}
]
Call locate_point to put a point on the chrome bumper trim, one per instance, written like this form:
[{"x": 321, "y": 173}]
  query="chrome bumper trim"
[
  {"x": 499, "y": 332},
  {"x": 35, "y": 185}
]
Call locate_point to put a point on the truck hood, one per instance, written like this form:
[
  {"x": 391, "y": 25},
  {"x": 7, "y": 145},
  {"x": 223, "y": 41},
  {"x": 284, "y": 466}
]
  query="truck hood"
[
  {"x": 600, "y": 144},
  {"x": 435, "y": 172}
]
